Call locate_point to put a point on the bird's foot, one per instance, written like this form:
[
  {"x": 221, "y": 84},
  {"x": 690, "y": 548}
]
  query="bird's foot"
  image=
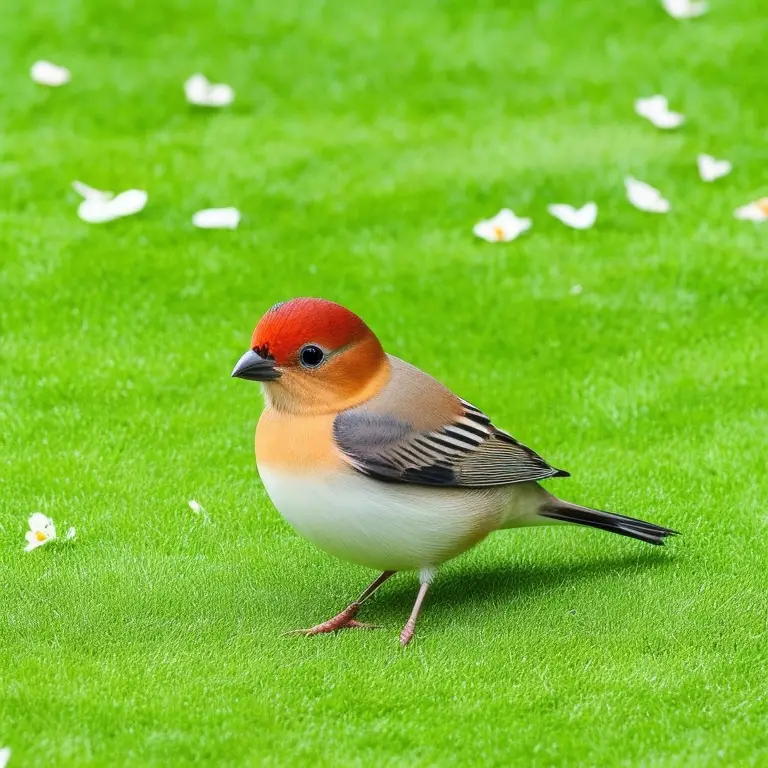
[
  {"x": 344, "y": 620},
  {"x": 407, "y": 634}
]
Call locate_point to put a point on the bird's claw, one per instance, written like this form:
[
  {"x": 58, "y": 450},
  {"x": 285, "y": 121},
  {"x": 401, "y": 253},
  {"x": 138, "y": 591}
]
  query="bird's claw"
[
  {"x": 330, "y": 626},
  {"x": 344, "y": 620}
]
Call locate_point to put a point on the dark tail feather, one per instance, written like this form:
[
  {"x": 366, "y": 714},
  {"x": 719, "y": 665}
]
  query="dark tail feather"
[{"x": 607, "y": 521}]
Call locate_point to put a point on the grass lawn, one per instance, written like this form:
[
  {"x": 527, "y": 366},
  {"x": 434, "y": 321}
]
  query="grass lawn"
[{"x": 364, "y": 143}]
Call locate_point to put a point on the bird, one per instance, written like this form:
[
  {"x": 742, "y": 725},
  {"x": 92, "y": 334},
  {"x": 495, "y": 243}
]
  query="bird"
[{"x": 377, "y": 463}]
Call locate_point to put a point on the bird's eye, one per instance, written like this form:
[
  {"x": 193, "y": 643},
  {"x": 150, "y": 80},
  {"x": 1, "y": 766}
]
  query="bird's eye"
[{"x": 311, "y": 356}]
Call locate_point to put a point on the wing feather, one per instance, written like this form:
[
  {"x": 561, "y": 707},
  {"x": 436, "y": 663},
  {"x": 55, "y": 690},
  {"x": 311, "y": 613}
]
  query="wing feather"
[{"x": 468, "y": 451}]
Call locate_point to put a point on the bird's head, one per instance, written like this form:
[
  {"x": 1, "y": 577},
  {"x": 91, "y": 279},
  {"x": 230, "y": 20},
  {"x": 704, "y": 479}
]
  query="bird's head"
[{"x": 314, "y": 356}]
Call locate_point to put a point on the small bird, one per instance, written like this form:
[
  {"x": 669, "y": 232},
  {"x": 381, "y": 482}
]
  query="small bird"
[{"x": 379, "y": 464}]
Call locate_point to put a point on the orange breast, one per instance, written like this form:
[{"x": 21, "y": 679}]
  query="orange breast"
[{"x": 300, "y": 444}]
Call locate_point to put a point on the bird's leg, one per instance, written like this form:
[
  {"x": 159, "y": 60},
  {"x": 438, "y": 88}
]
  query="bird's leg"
[
  {"x": 346, "y": 619},
  {"x": 426, "y": 576}
]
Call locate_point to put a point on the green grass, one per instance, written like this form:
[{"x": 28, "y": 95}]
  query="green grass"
[{"x": 364, "y": 143}]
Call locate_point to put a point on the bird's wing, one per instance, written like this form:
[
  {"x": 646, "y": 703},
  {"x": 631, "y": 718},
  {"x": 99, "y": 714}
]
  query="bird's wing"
[{"x": 416, "y": 431}]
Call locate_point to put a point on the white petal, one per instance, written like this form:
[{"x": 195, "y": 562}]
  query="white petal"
[
  {"x": 130, "y": 202},
  {"x": 97, "y": 211},
  {"x": 217, "y": 218},
  {"x": 485, "y": 230},
  {"x": 70, "y": 534},
  {"x": 645, "y": 197},
  {"x": 198, "y": 509},
  {"x": 220, "y": 95},
  {"x": 39, "y": 522},
  {"x": 46, "y": 73},
  {"x": 196, "y": 87},
  {"x": 5, "y": 756},
  {"x": 521, "y": 225},
  {"x": 668, "y": 120},
  {"x": 49, "y": 530},
  {"x": 504, "y": 218},
  {"x": 578, "y": 218},
  {"x": 503, "y": 227},
  {"x": 757, "y": 211},
  {"x": 711, "y": 168},
  {"x": 656, "y": 109},
  {"x": 203, "y": 93},
  {"x": 685, "y": 9},
  {"x": 652, "y": 105},
  {"x": 90, "y": 193}
]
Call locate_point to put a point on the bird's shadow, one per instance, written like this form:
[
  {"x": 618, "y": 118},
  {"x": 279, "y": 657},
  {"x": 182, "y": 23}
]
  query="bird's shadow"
[{"x": 461, "y": 586}]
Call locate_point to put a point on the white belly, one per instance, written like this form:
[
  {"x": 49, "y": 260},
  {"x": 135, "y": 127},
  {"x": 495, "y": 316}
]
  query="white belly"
[{"x": 387, "y": 526}]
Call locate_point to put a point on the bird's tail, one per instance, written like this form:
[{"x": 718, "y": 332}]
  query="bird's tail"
[{"x": 564, "y": 511}]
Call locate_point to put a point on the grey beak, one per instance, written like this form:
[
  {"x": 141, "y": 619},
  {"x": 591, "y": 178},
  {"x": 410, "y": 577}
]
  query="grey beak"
[{"x": 255, "y": 368}]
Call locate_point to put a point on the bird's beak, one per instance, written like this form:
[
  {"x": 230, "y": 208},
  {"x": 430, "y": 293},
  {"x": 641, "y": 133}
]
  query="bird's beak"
[{"x": 255, "y": 368}]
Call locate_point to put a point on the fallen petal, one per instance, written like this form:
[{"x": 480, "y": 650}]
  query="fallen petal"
[
  {"x": 711, "y": 168},
  {"x": 757, "y": 211},
  {"x": 685, "y": 9},
  {"x": 129, "y": 202},
  {"x": 5, "y": 756},
  {"x": 502, "y": 228},
  {"x": 645, "y": 197},
  {"x": 196, "y": 87},
  {"x": 198, "y": 509},
  {"x": 90, "y": 193},
  {"x": 220, "y": 95},
  {"x": 656, "y": 110},
  {"x": 578, "y": 218},
  {"x": 70, "y": 534},
  {"x": 46, "y": 73},
  {"x": 199, "y": 91},
  {"x": 97, "y": 211},
  {"x": 668, "y": 120},
  {"x": 217, "y": 218},
  {"x": 38, "y": 521},
  {"x": 651, "y": 105}
]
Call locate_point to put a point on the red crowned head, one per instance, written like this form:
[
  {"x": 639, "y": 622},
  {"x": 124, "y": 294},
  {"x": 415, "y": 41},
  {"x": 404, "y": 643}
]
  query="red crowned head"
[
  {"x": 291, "y": 325},
  {"x": 312, "y": 355}
]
